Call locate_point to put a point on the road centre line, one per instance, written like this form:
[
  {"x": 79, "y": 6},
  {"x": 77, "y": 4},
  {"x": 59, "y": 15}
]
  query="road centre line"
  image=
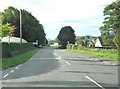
[
  {"x": 5, "y": 76},
  {"x": 95, "y": 82}
]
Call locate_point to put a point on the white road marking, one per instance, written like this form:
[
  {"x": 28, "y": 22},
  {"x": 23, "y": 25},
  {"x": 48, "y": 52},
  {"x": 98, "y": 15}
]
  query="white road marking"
[
  {"x": 5, "y": 76},
  {"x": 109, "y": 63},
  {"x": 20, "y": 65},
  {"x": 94, "y": 82},
  {"x": 17, "y": 67},
  {"x": 57, "y": 56},
  {"x": 68, "y": 63},
  {"x": 12, "y": 71},
  {"x": 114, "y": 64}
]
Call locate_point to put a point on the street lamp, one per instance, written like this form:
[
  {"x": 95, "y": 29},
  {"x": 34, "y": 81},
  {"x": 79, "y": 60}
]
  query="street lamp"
[{"x": 20, "y": 31}]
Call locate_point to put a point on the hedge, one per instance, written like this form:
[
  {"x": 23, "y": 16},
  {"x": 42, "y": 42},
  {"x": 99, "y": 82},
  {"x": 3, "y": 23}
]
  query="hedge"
[{"x": 12, "y": 49}]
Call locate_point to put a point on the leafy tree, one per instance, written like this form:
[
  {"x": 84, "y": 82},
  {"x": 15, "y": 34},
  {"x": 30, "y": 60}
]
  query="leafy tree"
[
  {"x": 51, "y": 42},
  {"x": 66, "y": 35},
  {"x": 7, "y": 30},
  {"x": 80, "y": 41},
  {"x": 56, "y": 40},
  {"x": 32, "y": 30},
  {"x": 111, "y": 23}
]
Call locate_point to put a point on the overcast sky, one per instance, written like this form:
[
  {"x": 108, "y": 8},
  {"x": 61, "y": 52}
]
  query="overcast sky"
[{"x": 84, "y": 16}]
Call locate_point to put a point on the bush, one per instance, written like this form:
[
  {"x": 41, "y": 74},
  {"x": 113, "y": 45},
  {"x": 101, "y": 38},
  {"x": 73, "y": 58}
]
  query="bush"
[
  {"x": 68, "y": 46},
  {"x": 12, "y": 49},
  {"x": 72, "y": 46}
]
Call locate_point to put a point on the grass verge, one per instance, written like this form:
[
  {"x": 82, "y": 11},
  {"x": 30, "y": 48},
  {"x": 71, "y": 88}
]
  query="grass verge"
[
  {"x": 105, "y": 54},
  {"x": 21, "y": 58}
]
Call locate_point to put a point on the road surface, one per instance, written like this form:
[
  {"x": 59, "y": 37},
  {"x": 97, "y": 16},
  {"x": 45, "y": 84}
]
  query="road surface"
[{"x": 51, "y": 67}]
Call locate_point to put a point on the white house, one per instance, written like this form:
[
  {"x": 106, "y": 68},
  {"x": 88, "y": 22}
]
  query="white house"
[
  {"x": 56, "y": 44},
  {"x": 13, "y": 39}
]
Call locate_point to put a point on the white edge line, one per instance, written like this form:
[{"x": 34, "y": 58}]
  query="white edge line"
[
  {"x": 12, "y": 71},
  {"x": 68, "y": 63},
  {"x": 16, "y": 68},
  {"x": 20, "y": 65},
  {"x": 5, "y": 76},
  {"x": 94, "y": 82}
]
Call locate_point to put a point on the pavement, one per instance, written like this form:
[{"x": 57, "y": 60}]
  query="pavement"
[{"x": 51, "y": 67}]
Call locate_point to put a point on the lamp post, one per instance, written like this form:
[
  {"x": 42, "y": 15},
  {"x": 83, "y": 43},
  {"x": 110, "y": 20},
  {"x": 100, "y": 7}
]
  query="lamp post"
[{"x": 20, "y": 31}]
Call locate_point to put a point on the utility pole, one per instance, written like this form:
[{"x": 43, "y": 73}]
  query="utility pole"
[{"x": 20, "y": 32}]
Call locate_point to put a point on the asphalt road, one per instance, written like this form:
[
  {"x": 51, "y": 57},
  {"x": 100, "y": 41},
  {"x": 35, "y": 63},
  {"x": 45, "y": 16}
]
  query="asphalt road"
[{"x": 51, "y": 67}]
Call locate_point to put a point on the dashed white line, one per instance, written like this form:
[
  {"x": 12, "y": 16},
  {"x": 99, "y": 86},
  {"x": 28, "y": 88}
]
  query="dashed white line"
[
  {"x": 68, "y": 63},
  {"x": 95, "y": 82},
  {"x": 12, "y": 71},
  {"x": 20, "y": 65},
  {"x": 17, "y": 67},
  {"x": 5, "y": 76}
]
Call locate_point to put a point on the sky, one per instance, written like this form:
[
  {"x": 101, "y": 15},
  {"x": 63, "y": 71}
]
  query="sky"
[{"x": 84, "y": 16}]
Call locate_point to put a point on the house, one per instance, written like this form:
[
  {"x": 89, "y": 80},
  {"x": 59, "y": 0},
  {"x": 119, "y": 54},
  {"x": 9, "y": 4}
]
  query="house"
[{"x": 13, "y": 39}]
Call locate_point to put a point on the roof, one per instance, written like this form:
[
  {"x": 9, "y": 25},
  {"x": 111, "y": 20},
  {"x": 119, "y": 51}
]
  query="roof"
[{"x": 101, "y": 40}]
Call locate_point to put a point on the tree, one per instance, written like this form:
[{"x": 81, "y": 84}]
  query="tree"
[
  {"x": 32, "y": 30},
  {"x": 56, "y": 40},
  {"x": 7, "y": 30},
  {"x": 51, "y": 42},
  {"x": 80, "y": 41},
  {"x": 66, "y": 35},
  {"x": 111, "y": 27}
]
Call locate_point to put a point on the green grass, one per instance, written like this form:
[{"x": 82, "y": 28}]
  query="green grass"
[
  {"x": 21, "y": 58},
  {"x": 105, "y": 54}
]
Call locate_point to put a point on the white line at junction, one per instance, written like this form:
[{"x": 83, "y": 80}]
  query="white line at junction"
[{"x": 68, "y": 63}]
